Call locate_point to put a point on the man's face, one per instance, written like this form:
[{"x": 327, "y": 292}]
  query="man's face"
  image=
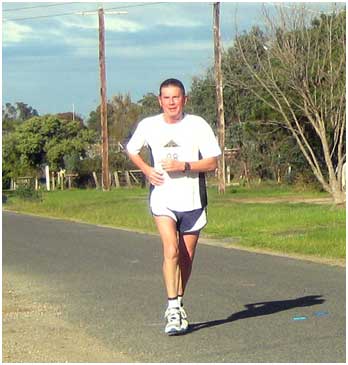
[{"x": 172, "y": 102}]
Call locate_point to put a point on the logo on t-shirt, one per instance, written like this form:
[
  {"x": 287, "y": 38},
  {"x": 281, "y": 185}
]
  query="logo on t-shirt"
[
  {"x": 172, "y": 150},
  {"x": 171, "y": 143}
]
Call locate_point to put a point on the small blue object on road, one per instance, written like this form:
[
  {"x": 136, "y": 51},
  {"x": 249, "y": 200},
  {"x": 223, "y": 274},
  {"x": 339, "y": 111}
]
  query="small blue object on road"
[
  {"x": 299, "y": 318},
  {"x": 321, "y": 313}
]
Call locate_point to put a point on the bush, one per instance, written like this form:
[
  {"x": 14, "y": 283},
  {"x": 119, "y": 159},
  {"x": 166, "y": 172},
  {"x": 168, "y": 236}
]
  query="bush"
[
  {"x": 305, "y": 182},
  {"x": 28, "y": 193}
]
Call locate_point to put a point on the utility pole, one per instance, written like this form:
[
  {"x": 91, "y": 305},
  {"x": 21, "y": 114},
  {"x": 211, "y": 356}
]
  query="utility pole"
[
  {"x": 103, "y": 103},
  {"x": 103, "y": 97},
  {"x": 219, "y": 98}
]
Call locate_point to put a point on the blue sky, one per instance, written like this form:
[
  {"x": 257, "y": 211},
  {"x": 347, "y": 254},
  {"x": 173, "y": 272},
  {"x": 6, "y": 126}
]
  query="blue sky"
[{"x": 51, "y": 62}]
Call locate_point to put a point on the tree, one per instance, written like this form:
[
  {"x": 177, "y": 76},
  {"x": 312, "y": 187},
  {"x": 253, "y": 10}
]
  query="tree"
[
  {"x": 70, "y": 116},
  {"x": 9, "y": 112},
  {"x": 43, "y": 140},
  {"x": 13, "y": 115},
  {"x": 122, "y": 114},
  {"x": 20, "y": 111},
  {"x": 149, "y": 105},
  {"x": 25, "y": 111},
  {"x": 202, "y": 98},
  {"x": 248, "y": 127},
  {"x": 298, "y": 70}
]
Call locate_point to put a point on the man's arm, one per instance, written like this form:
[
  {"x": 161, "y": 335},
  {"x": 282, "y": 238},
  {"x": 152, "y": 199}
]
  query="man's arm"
[{"x": 204, "y": 165}]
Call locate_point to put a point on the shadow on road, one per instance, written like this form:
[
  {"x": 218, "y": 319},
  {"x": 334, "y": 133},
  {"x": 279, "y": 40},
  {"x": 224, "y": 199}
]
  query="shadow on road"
[{"x": 261, "y": 309}]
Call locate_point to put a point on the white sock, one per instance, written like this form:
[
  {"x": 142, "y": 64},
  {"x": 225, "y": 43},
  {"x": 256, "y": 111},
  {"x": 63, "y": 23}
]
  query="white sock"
[
  {"x": 180, "y": 300},
  {"x": 173, "y": 303}
]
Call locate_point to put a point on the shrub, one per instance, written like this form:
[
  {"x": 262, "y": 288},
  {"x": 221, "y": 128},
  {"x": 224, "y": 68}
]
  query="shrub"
[{"x": 28, "y": 193}]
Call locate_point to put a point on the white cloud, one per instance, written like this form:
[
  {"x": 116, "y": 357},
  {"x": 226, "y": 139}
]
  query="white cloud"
[
  {"x": 160, "y": 49},
  {"x": 88, "y": 47},
  {"x": 113, "y": 23},
  {"x": 118, "y": 24},
  {"x": 181, "y": 22},
  {"x": 15, "y": 33}
]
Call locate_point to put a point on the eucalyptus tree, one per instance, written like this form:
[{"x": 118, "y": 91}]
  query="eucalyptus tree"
[{"x": 297, "y": 68}]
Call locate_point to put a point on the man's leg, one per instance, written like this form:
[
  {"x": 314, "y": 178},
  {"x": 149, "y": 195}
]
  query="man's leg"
[
  {"x": 187, "y": 248},
  {"x": 168, "y": 232},
  {"x": 167, "y": 229}
]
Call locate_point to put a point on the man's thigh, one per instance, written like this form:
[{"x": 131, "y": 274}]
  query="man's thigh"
[{"x": 167, "y": 229}]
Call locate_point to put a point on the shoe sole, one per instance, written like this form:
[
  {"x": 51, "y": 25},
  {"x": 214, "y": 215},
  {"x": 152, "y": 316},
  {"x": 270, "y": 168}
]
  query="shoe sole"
[{"x": 175, "y": 332}]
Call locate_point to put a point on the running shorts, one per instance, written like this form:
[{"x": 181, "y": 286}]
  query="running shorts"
[{"x": 186, "y": 222}]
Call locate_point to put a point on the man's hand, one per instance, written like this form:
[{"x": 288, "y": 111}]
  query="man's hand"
[
  {"x": 155, "y": 177},
  {"x": 170, "y": 165}
]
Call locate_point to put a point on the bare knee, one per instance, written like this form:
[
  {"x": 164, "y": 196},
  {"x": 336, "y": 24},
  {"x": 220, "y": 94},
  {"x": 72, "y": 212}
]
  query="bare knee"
[{"x": 171, "y": 252}]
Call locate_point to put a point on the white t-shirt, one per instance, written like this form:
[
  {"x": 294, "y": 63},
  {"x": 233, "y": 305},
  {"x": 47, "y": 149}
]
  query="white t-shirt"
[{"x": 185, "y": 140}]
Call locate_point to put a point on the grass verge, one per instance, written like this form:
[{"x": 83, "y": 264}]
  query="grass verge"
[{"x": 307, "y": 229}]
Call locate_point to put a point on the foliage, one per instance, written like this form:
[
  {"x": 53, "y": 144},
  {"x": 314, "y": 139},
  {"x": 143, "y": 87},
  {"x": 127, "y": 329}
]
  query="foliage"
[
  {"x": 13, "y": 115},
  {"x": 284, "y": 95},
  {"x": 25, "y": 192},
  {"x": 201, "y": 98},
  {"x": 265, "y": 149},
  {"x": 70, "y": 116},
  {"x": 122, "y": 114},
  {"x": 149, "y": 105},
  {"x": 298, "y": 71},
  {"x": 20, "y": 111},
  {"x": 43, "y": 140},
  {"x": 72, "y": 161}
]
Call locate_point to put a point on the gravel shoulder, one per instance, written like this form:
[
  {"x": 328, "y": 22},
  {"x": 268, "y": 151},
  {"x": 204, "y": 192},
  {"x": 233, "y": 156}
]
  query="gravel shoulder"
[{"x": 33, "y": 331}]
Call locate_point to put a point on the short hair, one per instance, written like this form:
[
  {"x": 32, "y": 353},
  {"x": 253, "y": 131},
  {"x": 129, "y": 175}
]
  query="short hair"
[{"x": 172, "y": 82}]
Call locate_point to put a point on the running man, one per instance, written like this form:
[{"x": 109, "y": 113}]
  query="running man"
[{"x": 182, "y": 148}]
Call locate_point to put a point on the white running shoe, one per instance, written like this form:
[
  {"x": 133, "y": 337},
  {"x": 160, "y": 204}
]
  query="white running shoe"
[
  {"x": 184, "y": 321},
  {"x": 173, "y": 317}
]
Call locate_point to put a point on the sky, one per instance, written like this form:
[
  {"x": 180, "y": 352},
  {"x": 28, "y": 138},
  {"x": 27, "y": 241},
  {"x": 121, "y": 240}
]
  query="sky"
[{"x": 50, "y": 51}]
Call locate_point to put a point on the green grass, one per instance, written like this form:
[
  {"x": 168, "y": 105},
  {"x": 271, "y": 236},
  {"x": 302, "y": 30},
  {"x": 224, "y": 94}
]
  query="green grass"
[{"x": 291, "y": 228}]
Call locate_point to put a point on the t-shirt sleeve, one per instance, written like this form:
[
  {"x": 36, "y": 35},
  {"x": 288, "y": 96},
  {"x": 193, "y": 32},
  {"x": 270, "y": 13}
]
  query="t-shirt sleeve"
[
  {"x": 138, "y": 139},
  {"x": 208, "y": 144}
]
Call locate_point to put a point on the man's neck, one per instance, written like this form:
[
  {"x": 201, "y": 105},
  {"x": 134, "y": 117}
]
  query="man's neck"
[{"x": 173, "y": 120}]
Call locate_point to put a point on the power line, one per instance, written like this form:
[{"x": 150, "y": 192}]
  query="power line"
[
  {"x": 74, "y": 12},
  {"x": 36, "y": 7},
  {"x": 135, "y": 6},
  {"x": 39, "y": 17}
]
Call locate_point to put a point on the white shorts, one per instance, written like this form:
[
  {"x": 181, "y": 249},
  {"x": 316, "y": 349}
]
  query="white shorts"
[{"x": 186, "y": 222}]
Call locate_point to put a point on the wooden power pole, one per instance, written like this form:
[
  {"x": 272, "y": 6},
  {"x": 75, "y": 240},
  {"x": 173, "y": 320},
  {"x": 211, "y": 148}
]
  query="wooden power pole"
[
  {"x": 103, "y": 97},
  {"x": 219, "y": 98},
  {"x": 103, "y": 103}
]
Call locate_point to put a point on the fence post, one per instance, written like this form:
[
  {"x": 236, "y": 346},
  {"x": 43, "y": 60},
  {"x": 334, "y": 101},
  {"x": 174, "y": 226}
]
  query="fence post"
[
  {"x": 228, "y": 168},
  {"x": 53, "y": 181},
  {"x": 126, "y": 173},
  {"x": 117, "y": 180},
  {"x": 62, "y": 181},
  {"x": 47, "y": 172},
  {"x": 95, "y": 180}
]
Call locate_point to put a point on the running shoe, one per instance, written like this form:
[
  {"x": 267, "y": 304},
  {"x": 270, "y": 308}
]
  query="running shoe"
[
  {"x": 173, "y": 317},
  {"x": 184, "y": 321}
]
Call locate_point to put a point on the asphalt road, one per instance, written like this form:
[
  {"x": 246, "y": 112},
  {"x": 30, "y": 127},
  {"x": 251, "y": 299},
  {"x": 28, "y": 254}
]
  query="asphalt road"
[{"x": 243, "y": 307}]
